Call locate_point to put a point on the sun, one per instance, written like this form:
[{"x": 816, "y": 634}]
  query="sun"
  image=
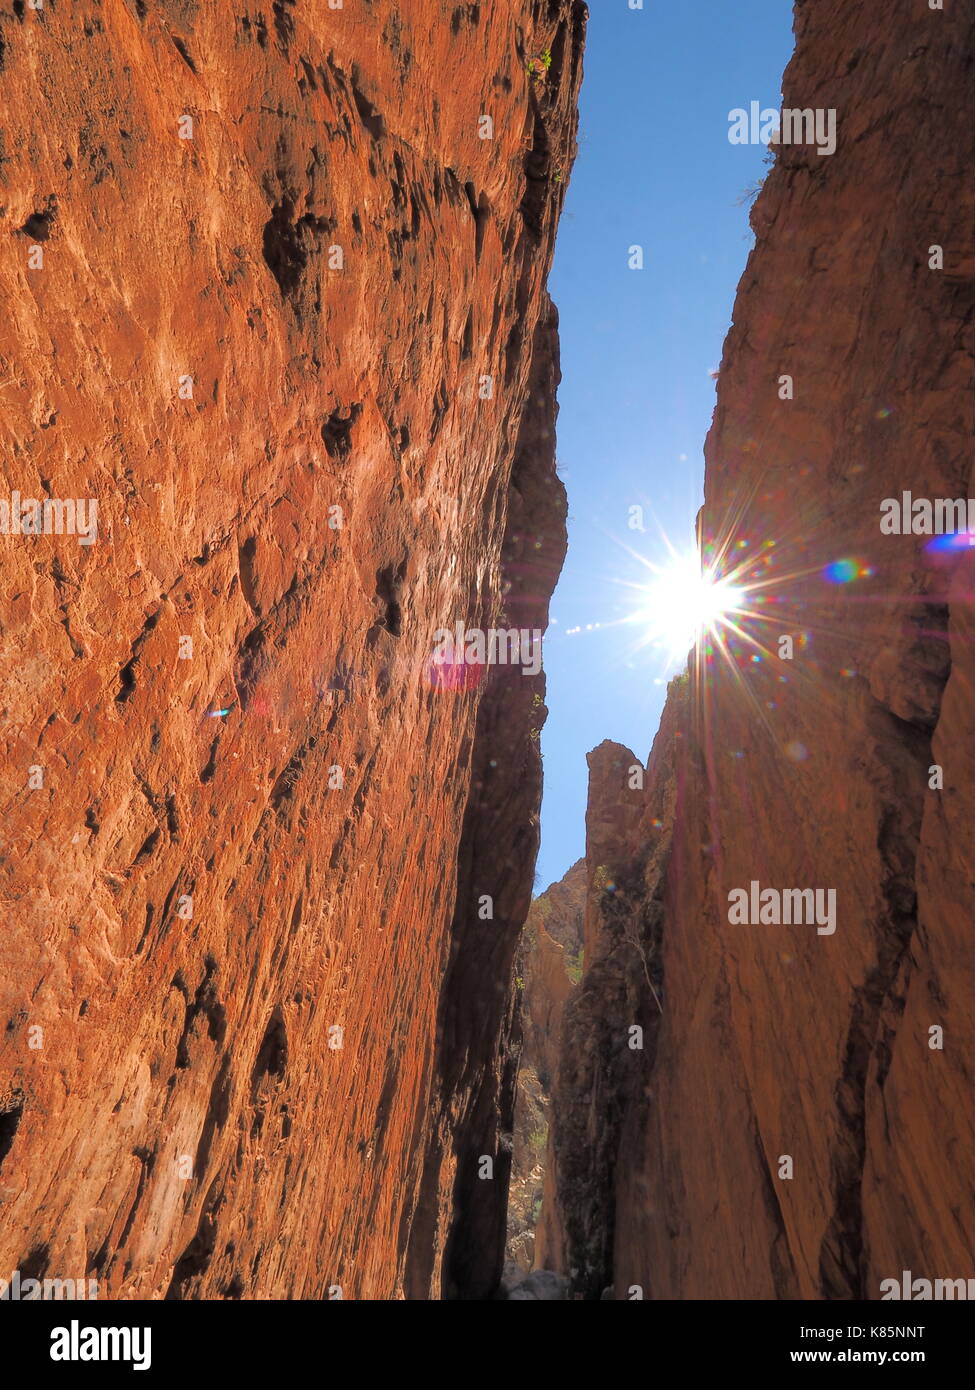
[{"x": 685, "y": 601}]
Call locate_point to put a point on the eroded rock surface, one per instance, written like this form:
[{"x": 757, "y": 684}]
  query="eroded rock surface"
[
  {"x": 288, "y": 327},
  {"x": 548, "y": 966}
]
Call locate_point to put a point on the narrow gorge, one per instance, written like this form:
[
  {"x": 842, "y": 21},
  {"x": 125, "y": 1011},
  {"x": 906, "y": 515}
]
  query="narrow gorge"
[{"x": 281, "y": 1014}]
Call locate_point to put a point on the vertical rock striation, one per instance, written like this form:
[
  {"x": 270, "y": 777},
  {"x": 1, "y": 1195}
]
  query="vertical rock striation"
[
  {"x": 275, "y": 290},
  {"x": 778, "y": 1042},
  {"x": 548, "y": 967}
]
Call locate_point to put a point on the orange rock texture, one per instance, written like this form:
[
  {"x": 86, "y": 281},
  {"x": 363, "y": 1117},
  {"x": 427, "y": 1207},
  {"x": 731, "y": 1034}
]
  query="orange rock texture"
[
  {"x": 794, "y": 1124},
  {"x": 274, "y": 288}
]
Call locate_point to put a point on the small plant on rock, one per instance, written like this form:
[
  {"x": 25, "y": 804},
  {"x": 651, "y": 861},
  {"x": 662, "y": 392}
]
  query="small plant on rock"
[
  {"x": 538, "y": 66},
  {"x": 574, "y": 963}
]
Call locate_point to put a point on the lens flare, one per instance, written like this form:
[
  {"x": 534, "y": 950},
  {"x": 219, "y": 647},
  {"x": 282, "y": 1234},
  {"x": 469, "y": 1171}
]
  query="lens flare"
[
  {"x": 953, "y": 540},
  {"x": 685, "y": 602}
]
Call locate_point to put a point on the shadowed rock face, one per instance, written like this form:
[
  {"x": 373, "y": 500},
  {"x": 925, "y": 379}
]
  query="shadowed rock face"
[
  {"x": 548, "y": 966},
  {"x": 254, "y": 1035},
  {"x": 778, "y": 1042}
]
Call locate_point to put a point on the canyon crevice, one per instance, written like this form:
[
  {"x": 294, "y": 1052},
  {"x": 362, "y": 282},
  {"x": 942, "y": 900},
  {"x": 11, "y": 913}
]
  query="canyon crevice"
[{"x": 265, "y": 867}]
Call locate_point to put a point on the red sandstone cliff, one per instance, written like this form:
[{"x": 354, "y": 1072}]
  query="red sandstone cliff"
[
  {"x": 776, "y": 1042},
  {"x": 274, "y": 303}
]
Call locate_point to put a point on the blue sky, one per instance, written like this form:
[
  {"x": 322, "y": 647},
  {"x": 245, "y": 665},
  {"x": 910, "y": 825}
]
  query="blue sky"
[{"x": 655, "y": 169}]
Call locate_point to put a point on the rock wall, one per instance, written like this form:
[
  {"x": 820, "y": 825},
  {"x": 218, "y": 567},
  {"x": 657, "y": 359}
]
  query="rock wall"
[
  {"x": 274, "y": 278},
  {"x": 548, "y": 966},
  {"x": 789, "y": 1123}
]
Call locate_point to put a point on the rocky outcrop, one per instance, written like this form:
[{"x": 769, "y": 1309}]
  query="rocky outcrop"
[
  {"x": 548, "y": 966},
  {"x": 275, "y": 288},
  {"x": 762, "y": 1111}
]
